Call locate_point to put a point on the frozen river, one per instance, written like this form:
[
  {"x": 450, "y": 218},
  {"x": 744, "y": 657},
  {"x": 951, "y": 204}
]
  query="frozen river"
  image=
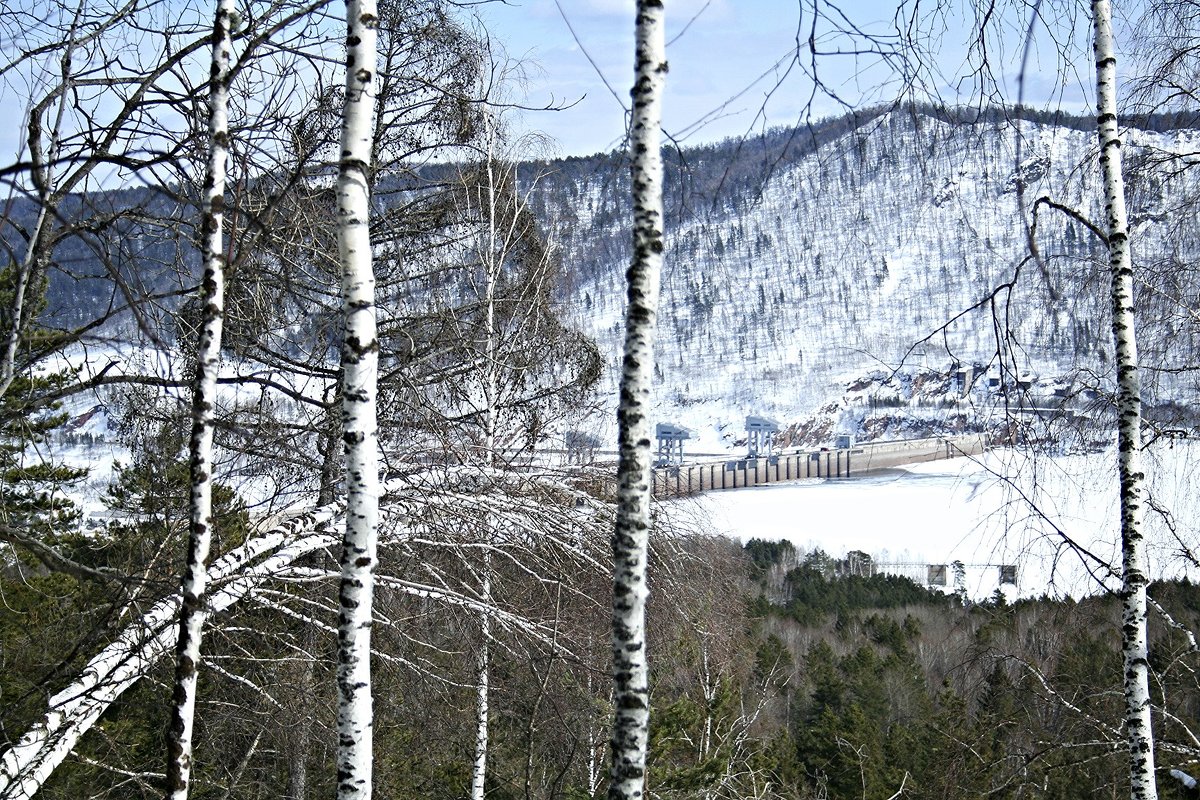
[{"x": 1054, "y": 518}]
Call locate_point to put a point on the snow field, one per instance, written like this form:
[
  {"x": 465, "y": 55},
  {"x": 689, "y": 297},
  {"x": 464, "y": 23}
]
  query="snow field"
[{"x": 1003, "y": 508}]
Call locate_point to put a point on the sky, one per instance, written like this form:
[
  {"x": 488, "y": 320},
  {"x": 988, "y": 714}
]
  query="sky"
[
  {"x": 732, "y": 65},
  {"x": 739, "y": 66}
]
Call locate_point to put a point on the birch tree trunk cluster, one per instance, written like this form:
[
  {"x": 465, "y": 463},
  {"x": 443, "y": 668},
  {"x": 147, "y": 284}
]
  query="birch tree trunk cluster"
[
  {"x": 419, "y": 41},
  {"x": 390, "y": 375}
]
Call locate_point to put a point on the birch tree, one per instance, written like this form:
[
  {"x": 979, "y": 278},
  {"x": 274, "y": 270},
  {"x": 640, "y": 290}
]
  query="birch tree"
[
  {"x": 150, "y": 635},
  {"x": 1138, "y": 728},
  {"x": 212, "y": 292},
  {"x": 285, "y": 304},
  {"x": 490, "y": 364},
  {"x": 358, "y": 348},
  {"x": 635, "y": 477},
  {"x": 1133, "y": 488},
  {"x": 503, "y": 320},
  {"x": 360, "y": 355}
]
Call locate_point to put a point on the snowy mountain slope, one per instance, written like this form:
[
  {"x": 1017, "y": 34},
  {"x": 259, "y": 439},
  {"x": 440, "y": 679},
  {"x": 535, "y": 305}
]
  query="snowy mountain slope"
[
  {"x": 801, "y": 262},
  {"x": 841, "y": 259}
]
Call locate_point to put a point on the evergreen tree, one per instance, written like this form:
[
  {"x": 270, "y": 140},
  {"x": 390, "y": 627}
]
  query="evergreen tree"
[{"x": 34, "y": 510}]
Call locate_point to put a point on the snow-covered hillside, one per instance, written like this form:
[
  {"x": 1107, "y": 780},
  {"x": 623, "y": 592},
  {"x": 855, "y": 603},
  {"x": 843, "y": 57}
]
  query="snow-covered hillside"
[
  {"x": 779, "y": 292},
  {"x": 804, "y": 263}
]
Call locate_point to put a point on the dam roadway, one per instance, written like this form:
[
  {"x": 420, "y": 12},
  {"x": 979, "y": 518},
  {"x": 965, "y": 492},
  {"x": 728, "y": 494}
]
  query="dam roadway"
[{"x": 681, "y": 480}]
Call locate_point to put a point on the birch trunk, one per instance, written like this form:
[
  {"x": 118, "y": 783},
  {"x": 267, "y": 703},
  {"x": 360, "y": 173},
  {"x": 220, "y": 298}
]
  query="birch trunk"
[
  {"x": 42, "y": 174},
  {"x": 1129, "y": 414},
  {"x": 635, "y": 474},
  {"x": 212, "y": 294},
  {"x": 482, "y": 689},
  {"x": 360, "y": 356},
  {"x": 26, "y": 765},
  {"x": 490, "y": 387}
]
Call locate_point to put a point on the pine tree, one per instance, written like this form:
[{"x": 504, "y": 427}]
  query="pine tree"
[{"x": 33, "y": 508}]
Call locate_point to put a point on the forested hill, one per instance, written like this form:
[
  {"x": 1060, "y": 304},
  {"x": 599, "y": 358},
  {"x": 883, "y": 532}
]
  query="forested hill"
[{"x": 798, "y": 261}]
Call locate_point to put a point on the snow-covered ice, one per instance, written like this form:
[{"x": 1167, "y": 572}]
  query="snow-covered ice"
[{"x": 1006, "y": 508}]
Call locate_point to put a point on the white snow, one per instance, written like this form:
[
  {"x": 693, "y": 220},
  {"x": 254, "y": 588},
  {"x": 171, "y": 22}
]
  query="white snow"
[
  {"x": 1006, "y": 508},
  {"x": 844, "y": 258}
]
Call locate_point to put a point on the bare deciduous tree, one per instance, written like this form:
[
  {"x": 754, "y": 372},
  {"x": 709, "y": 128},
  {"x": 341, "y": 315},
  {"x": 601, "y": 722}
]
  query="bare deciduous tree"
[
  {"x": 635, "y": 477},
  {"x": 360, "y": 386},
  {"x": 1129, "y": 418}
]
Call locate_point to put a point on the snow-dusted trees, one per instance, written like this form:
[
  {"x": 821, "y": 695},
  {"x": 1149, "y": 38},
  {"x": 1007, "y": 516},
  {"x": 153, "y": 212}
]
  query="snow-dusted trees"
[
  {"x": 204, "y": 400},
  {"x": 635, "y": 477},
  {"x": 1135, "y": 577}
]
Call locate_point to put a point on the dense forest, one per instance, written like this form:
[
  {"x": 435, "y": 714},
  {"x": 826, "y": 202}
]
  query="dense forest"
[{"x": 779, "y": 677}]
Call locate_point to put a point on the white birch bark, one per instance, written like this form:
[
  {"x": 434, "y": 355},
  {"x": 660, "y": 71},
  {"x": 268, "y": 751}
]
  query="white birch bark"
[
  {"x": 43, "y": 176},
  {"x": 635, "y": 475},
  {"x": 208, "y": 354},
  {"x": 490, "y": 386},
  {"x": 1138, "y": 729},
  {"x": 482, "y": 688},
  {"x": 73, "y": 711},
  {"x": 360, "y": 355}
]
